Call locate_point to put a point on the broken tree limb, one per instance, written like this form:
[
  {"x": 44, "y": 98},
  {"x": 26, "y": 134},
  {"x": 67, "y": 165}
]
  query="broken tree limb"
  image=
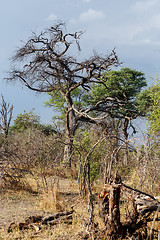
[
  {"x": 56, "y": 216},
  {"x": 136, "y": 190},
  {"x": 35, "y": 222},
  {"x": 64, "y": 219}
]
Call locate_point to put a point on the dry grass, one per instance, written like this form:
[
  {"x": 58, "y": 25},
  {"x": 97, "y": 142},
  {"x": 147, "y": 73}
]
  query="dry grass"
[
  {"x": 60, "y": 195},
  {"x": 58, "y": 232},
  {"x": 56, "y": 193},
  {"x": 51, "y": 201}
]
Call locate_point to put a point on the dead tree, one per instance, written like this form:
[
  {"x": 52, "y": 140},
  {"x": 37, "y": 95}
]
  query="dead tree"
[
  {"x": 139, "y": 206},
  {"x": 109, "y": 208},
  {"x": 6, "y": 111},
  {"x": 47, "y": 65}
]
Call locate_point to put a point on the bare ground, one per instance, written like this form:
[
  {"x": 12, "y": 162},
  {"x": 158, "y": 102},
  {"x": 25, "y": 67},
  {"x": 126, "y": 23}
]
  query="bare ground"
[{"x": 16, "y": 206}]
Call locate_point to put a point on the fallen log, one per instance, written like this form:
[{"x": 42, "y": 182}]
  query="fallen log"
[
  {"x": 64, "y": 219},
  {"x": 56, "y": 216},
  {"x": 35, "y": 222},
  {"x": 33, "y": 219}
]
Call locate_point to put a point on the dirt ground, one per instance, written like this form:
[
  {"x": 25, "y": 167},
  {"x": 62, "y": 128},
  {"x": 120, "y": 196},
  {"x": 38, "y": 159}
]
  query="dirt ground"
[{"x": 16, "y": 207}]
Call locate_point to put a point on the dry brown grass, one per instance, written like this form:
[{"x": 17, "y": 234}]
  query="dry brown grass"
[
  {"x": 51, "y": 201},
  {"x": 57, "y": 190},
  {"x": 60, "y": 195}
]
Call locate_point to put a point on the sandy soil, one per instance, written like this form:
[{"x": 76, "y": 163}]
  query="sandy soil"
[{"x": 16, "y": 207}]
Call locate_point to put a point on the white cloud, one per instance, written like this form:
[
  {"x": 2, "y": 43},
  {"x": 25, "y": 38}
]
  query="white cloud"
[
  {"x": 143, "y": 6},
  {"x": 86, "y": 1},
  {"x": 91, "y": 15},
  {"x": 148, "y": 29},
  {"x": 146, "y": 23},
  {"x": 51, "y": 17},
  {"x": 151, "y": 36},
  {"x": 137, "y": 26}
]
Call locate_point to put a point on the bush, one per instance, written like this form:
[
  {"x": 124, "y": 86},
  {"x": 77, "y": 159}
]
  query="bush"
[{"x": 29, "y": 153}]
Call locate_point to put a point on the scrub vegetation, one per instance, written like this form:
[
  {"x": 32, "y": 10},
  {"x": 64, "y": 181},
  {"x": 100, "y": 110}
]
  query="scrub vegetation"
[{"x": 85, "y": 176}]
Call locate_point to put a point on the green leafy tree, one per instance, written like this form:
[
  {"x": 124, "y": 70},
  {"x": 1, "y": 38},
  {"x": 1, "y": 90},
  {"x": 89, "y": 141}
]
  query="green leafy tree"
[
  {"x": 149, "y": 102},
  {"x": 154, "y": 117},
  {"x": 25, "y": 121},
  {"x": 123, "y": 85},
  {"x": 30, "y": 121}
]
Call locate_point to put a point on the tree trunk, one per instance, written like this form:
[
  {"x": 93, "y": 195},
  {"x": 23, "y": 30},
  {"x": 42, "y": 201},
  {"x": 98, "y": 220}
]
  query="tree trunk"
[
  {"x": 116, "y": 142},
  {"x": 125, "y": 138},
  {"x": 71, "y": 126},
  {"x": 68, "y": 148}
]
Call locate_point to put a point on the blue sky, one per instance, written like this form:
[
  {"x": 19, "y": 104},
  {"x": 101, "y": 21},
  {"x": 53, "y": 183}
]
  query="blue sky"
[{"x": 132, "y": 26}]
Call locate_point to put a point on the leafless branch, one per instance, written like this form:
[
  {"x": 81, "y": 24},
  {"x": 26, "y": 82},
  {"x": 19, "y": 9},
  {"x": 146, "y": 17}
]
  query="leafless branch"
[{"x": 5, "y": 116}]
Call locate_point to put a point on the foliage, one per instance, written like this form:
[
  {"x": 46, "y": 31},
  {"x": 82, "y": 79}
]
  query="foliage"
[
  {"x": 144, "y": 101},
  {"x": 149, "y": 101},
  {"x": 47, "y": 129},
  {"x": 25, "y": 121},
  {"x": 154, "y": 118},
  {"x": 58, "y": 103},
  {"x": 116, "y": 95},
  {"x": 29, "y": 121},
  {"x": 123, "y": 85},
  {"x": 83, "y": 143}
]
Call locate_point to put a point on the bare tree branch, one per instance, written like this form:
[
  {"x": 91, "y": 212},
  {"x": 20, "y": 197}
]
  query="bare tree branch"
[{"x": 5, "y": 116}]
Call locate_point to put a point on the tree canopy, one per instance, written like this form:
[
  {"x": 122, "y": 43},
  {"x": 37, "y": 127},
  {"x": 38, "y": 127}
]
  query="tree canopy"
[
  {"x": 46, "y": 64},
  {"x": 30, "y": 121},
  {"x": 149, "y": 102},
  {"x": 24, "y": 121},
  {"x": 123, "y": 85}
]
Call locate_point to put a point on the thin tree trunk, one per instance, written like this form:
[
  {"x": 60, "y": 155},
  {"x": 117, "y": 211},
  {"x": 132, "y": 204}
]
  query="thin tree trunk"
[{"x": 125, "y": 137}]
